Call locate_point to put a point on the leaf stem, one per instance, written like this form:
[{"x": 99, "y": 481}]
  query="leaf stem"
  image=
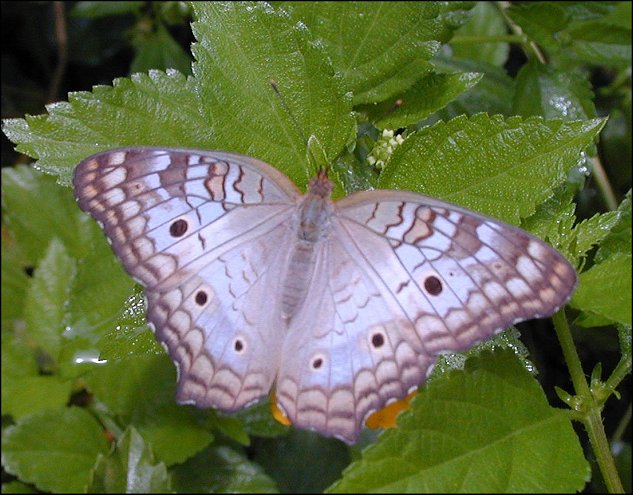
[
  {"x": 619, "y": 373},
  {"x": 591, "y": 409},
  {"x": 603, "y": 184},
  {"x": 511, "y": 38},
  {"x": 529, "y": 46}
]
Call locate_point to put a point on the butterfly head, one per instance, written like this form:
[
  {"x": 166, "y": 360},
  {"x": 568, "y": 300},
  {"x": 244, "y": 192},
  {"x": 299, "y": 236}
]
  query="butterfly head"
[{"x": 320, "y": 185}]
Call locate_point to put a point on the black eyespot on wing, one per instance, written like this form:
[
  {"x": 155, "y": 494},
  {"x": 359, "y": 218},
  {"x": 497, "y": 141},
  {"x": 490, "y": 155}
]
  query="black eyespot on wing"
[
  {"x": 433, "y": 285},
  {"x": 178, "y": 228},
  {"x": 201, "y": 298},
  {"x": 377, "y": 340}
]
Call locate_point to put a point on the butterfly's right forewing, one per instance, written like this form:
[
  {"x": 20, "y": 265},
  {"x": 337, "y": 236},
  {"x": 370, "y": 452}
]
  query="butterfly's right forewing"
[{"x": 460, "y": 277}]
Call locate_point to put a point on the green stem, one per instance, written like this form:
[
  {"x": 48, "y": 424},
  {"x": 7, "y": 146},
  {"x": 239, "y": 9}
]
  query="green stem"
[
  {"x": 592, "y": 419},
  {"x": 569, "y": 352},
  {"x": 600, "y": 445},
  {"x": 603, "y": 184},
  {"x": 619, "y": 373}
]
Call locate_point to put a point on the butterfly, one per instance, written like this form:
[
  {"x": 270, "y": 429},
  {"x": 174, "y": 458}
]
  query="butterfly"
[{"x": 342, "y": 307}]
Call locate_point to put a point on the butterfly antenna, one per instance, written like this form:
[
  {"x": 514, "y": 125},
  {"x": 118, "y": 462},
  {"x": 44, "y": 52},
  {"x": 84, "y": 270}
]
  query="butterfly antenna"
[{"x": 273, "y": 84}]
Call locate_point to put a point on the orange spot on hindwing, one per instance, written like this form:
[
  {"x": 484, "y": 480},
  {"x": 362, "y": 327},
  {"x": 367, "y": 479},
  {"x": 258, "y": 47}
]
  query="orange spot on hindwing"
[
  {"x": 386, "y": 417},
  {"x": 278, "y": 414}
]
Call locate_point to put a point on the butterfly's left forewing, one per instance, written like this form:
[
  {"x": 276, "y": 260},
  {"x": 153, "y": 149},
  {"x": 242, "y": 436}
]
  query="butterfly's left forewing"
[{"x": 204, "y": 233}]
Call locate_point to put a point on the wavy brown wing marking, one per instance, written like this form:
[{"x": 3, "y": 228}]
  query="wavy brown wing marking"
[
  {"x": 460, "y": 277},
  {"x": 351, "y": 350},
  {"x": 164, "y": 209}
]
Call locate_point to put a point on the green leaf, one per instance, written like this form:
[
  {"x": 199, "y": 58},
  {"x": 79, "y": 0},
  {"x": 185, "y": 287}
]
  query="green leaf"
[
  {"x": 152, "y": 109},
  {"x": 143, "y": 384},
  {"x": 475, "y": 431},
  {"x": 89, "y": 10},
  {"x": 100, "y": 289},
  {"x": 175, "y": 432},
  {"x": 381, "y": 48},
  {"x": 32, "y": 394},
  {"x": 14, "y": 279},
  {"x": 55, "y": 450},
  {"x": 485, "y": 21},
  {"x": 619, "y": 239},
  {"x": 37, "y": 209},
  {"x": 129, "y": 337},
  {"x": 553, "y": 222},
  {"x": 258, "y": 421},
  {"x": 353, "y": 171},
  {"x": 578, "y": 32},
  {"x": 24, "y": 390},
  {"x": 242, "y": 47},
  {"x": 130, "y": 468},
  {"x": 128, "y": 334},
  {"x": 220, "y": 469},
  {"x": 426, "y": 96},
  {"x": 145, "y": 397},
  {"x": 17, "y": 487},
  {"x": 602, "y": 42},
  {"x": 303, "y": 461},
  {"x": 553, "y": 94},
  {"x": 542, "y": 23},
  {"x": 499, "y": 167},
  {"x": 18, "y": 360},
  {"x": 592, "y": 231},
  {"x": 160, "y": 51},
  {"x": 604, "y": 294},
  {"x": 493, "y": 94},
  {"x": 47, "y": 298},
  {"x": 230, "y": 426}
]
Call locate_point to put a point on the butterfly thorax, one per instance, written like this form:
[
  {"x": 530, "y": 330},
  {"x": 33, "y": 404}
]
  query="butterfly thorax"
[
  {"x": 315, "y": 209},
  {"x": 311, "y": 226}
]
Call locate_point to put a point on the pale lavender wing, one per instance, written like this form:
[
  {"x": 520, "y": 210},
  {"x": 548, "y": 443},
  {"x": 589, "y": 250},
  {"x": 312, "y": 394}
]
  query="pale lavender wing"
[
  {"x": 202, "y": 231},
  {"x": 403, "y": 279}
]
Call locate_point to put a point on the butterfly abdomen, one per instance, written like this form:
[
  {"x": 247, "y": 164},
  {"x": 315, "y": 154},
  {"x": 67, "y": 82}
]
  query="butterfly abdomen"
[
  {"x": 312, "y": 225},
  {"x": 299, "y": 273}
]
